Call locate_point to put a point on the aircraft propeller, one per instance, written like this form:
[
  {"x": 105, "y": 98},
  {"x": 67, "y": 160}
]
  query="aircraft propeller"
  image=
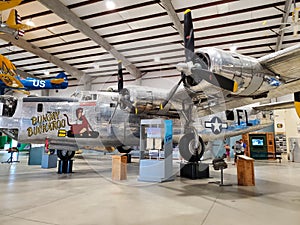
[
  {"x": 124, "y": 95},
  {"x": 195, "y": 67},
  {"x": 120, "y": 77},
  {"x": 189, "y": 53}
]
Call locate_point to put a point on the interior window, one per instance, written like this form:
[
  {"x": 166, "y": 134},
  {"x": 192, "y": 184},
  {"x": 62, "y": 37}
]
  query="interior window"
[{"x": 40, "y": 107}]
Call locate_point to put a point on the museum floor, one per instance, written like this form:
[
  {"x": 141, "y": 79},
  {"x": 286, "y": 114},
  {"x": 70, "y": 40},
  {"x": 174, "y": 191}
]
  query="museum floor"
[{"x": 35, "y": 196}]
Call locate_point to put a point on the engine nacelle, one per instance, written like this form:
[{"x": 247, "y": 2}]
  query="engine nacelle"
[
  {"x": 144, "y": 98},
  {"x": 247, "y": 71}
]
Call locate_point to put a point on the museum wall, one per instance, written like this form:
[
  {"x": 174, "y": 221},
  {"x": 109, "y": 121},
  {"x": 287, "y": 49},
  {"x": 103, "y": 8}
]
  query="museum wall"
[{"x": 286, "y": 121}]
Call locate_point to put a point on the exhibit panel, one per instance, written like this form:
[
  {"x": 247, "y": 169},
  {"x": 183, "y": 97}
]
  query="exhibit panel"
[{"x": 286, "y": 125}]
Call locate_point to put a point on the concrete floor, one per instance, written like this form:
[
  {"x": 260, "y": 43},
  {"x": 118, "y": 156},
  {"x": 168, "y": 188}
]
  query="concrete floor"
[{"x": 32, "y": 195}]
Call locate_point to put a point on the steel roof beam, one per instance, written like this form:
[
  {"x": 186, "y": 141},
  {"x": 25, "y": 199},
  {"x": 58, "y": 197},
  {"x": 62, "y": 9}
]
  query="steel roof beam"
[
  {"x": 66, "y": 14},
  {"x": 287, "y": 9},
  {"x": 167, "y": 4},
  {"x": 21, "y": 43}
]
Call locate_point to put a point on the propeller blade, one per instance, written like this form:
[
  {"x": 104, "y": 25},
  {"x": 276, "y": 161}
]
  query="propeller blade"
[
  {"x": 120, "y": 76},
  {"x": 216, "y": 79},
  {"x": 188, "y": 35},
  {"x": 171, "y": 94}
]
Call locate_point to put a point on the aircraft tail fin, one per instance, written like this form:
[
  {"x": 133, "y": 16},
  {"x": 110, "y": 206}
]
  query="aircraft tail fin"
[
  {"x": 14, "y": 21},
  {"x": 61, "y": 78},
  {"x": 61, "y": 75},
  {"x": 297, "y": 102}
]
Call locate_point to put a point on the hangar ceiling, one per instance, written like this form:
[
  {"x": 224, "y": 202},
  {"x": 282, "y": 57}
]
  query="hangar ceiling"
[{"x": 86, "y": 39}]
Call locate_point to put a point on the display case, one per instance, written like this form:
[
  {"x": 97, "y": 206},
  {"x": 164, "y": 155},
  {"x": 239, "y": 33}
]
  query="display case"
[{"x": 156, "y": 161}]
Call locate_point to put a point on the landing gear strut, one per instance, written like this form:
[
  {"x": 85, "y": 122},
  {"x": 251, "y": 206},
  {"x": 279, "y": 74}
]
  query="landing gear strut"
[{"x": 65, "y": 163}]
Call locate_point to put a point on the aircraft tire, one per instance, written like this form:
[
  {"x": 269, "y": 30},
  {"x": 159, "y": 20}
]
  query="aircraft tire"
[
  {"x": 187, "y": 150},
  {"x": 123, "y": 149},
  {"x": 65, "y": 155}
]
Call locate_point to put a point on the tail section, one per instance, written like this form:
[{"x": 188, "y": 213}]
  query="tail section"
[
  {"x": 14, "y": 21},
  {"x": 9, "y": 4},
  {"x": 62, "y": 75},
  {"x": 297, "y": 102},
  {"x": 61, "y": 80}
]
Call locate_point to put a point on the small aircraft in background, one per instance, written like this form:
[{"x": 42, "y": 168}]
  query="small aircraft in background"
[
  {"x": 14, "y": 25},
  {"x": 7, "y": 4},
  {"x": 9, "y": 79}
]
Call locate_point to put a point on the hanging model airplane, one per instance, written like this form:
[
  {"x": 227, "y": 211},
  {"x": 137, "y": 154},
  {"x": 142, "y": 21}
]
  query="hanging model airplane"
[
  {"x": 10, "y": 80},
  {"x": 14, "y": 25},
  {"x": 7, "y": 4},
  {"x": 213, "y": 81}
]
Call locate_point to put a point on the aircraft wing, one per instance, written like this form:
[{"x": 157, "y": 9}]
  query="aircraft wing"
[
  {"x": 11, "y": 81},
  {"x": 285, "y": 62},
  {"x": 275, "y": 105}
]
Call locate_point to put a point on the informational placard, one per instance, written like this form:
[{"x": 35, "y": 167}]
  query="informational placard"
[{"x": 153, "y": 132}]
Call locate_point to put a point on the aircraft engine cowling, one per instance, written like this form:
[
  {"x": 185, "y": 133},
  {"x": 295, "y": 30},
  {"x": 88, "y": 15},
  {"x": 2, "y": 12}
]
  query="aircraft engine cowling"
[
  {"x": 246, "y": 71},
  {"x": 144, "y": 99}
]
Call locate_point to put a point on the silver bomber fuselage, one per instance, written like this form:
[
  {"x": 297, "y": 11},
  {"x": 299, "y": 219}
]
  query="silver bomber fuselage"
[{"x": 33, "y": 119}]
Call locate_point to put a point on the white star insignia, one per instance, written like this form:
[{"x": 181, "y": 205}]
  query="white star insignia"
[{"x": 217, "y": 125}]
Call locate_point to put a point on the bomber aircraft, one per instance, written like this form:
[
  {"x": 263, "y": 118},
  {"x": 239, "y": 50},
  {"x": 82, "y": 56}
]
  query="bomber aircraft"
[
  {"x": 10, "y": 80},
  {"x": 212, "y": 80}
]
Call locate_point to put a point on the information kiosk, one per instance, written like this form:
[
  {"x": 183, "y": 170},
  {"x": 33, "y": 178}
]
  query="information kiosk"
[{"x": 156, "y": 146}]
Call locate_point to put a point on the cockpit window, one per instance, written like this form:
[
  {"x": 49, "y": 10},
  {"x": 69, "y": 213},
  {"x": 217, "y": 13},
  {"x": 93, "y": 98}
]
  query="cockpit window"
[
  {"x": 8, "y": 105},
  {"x": 40, "y": 107},
  {"x": 89, "y": 97}
]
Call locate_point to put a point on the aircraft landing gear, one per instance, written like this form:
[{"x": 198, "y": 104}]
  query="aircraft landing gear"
[
  {"x": 192, "y": 152},
  {"x": 125, "y": 150},
  {"x": 65, "y": 164},
  {"x": 188, "y": 148},
  {"x": 191, "y": 148},
  {"x": 65, "y": 155}
]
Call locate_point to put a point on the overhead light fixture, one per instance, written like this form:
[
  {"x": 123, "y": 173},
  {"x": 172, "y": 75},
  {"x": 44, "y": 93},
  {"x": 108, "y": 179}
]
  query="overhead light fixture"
[
  {"x": 46, "y": 72},
  {"x": 233, "y": 48},
  {"x": 110, "y": 4},
  {"x": 30, "y": 23},
  {"x": 96, "y": 65},
  {"x": 156, "y": 59}
]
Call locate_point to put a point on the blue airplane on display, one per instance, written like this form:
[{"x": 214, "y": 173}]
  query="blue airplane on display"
[{"x": 9, "y": 79}]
